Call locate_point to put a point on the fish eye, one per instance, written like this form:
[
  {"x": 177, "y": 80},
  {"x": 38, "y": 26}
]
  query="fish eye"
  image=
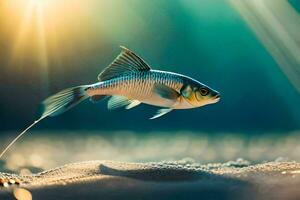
[{"x": 204, "y": 91}]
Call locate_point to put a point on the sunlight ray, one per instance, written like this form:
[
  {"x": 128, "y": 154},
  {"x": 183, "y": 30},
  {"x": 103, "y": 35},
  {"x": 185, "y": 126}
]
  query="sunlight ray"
[
  {"x": 31, "y": 37},
  {"x": 42, "y": 48},
  {"x": 22, "y": 33},
  {"x": 276, "y": 24}
]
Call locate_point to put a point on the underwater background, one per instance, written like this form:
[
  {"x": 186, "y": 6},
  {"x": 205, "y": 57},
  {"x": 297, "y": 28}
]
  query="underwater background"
[{"x": 247, "y": 50}]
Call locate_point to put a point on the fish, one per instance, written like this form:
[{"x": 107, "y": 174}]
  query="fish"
[{"x": 128, "y": 82}]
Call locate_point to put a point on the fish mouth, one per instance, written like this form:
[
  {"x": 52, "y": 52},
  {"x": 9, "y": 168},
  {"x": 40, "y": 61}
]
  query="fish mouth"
[{"x": 217, "y": 98}]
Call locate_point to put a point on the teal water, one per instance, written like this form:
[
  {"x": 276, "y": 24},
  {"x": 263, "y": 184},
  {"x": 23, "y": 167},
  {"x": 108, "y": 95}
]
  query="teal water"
[
  {"x": 211, "y": 41},
  {"x": 247, "y": 50}
]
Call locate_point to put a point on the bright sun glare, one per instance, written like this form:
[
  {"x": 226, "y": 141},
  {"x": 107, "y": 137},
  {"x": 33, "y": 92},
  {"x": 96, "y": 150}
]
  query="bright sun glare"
[
  {"x": 39, "y": 2},
  {"x": 31, "y": 20}
]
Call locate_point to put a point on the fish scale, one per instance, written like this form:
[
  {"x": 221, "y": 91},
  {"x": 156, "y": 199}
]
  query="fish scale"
[{"x": 137, "y": 85}]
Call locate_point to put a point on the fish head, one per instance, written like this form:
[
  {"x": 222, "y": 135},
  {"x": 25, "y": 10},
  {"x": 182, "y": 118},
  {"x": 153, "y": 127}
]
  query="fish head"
[{"x": 198, "y": 94}]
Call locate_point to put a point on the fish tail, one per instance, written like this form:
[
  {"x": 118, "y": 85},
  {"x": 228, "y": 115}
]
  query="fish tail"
[
  {"x": 63, "y": 101},
  {"x": 55, "y": 105}
]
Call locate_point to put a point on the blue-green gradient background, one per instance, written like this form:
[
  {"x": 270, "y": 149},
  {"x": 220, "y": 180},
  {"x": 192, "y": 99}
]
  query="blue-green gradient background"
[{"x": 207, "y": 40}]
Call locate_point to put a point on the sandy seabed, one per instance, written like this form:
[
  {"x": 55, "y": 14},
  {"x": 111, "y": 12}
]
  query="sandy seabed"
[
  {"x": 162, "y": 180},
  {"x": 133, "y": 172}
]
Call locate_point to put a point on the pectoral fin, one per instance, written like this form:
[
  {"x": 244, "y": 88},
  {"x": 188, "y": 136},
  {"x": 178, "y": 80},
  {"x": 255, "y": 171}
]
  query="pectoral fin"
[
  {"x": 161, "y": 112},
  {"x": 165, "y": 92}
]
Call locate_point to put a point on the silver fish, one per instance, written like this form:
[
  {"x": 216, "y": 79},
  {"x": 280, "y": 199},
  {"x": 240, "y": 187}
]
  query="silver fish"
[{"x": 130, "y": 81}]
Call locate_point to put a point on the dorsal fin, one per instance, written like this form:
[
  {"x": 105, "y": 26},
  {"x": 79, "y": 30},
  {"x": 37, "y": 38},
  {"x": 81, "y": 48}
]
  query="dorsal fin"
[{"x": 126, "y": 61}]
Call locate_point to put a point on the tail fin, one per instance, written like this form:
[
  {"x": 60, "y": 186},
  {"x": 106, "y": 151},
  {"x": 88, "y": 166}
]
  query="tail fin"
[
  {"x": 63, "y": 101},
  {"x": 55, "y": 105}
]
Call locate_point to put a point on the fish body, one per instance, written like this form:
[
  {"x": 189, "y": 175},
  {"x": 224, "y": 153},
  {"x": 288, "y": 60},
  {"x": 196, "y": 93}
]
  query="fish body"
[{"x": 141, "y": 86}]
